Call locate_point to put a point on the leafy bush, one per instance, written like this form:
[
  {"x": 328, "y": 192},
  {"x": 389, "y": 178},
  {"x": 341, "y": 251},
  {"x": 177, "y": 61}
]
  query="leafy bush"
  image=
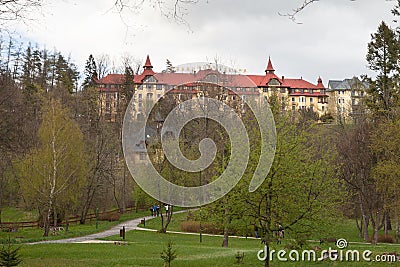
[
  {"x": 194, "y": 227},
  {"x": 385, "y": 239},
  {"x": 110, "y": 216}
]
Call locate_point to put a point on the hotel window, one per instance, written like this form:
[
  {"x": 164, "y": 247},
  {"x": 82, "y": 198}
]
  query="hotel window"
[
  {"x": 293, "y": 107},
  {"x": 265, "y": 89},
  {"x": 311, "y": 108},
  {"x": 283, "y": 90},
  {"x": 283, "y": 99},
  {"x": 158, "y": 87},
  {"x": 140, "y": 96},
  {"x": 149, "y": 87},
  {"x": 311, "y": 100},
  {"x": 323, "y": 108},
  {"x": 158, "y": 96},
  {"x": 293, "y": 99},
  {"x": 149, "y": 96}
]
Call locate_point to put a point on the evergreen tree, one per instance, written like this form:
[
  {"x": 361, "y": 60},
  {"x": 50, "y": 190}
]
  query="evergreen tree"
[
  {"x": 383, "y": 57},
  {"x": 27, "y": 69},
  {"x": 90, "y": 71},
  {"x": 170, "y": 68},
  {"x": 9, "y": 256}
]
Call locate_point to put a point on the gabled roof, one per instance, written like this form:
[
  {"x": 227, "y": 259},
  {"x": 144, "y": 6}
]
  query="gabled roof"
[
  {"x": 298, "y": 84},
  {"x": 112, "y": 79},
  {"x": 263, "y": 80},
  {"x": 346, "y": 84}
]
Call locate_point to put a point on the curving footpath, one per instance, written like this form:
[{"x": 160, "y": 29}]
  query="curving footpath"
[{"x": 129, "y": 226}]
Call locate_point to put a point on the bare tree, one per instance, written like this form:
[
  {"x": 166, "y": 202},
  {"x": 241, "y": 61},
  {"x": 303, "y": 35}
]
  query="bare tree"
[
  {"x": 13, "y": 10},
  {"x": 175, "y": 10},
  {"x": 103, "y": 65},
  {"x": 295, "y": 11}
]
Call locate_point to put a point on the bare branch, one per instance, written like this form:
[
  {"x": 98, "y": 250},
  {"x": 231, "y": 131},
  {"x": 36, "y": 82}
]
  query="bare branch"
[
  {"x": 12, "y": 10},
  {"x": 292, "y": 15}
]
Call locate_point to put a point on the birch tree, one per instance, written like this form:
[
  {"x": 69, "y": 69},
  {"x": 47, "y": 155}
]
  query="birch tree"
[{"x": 51, "y": 176}]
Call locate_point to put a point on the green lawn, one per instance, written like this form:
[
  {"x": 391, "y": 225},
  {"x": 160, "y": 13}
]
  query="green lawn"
[
  {"x": 24, "y": 235},
  {"x": 339, "y": 229},
  {"x": 17, "y": 215},
  {"x": 143, "y": 249}
]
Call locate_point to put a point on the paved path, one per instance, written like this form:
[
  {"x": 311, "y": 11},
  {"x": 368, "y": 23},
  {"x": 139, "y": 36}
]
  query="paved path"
[{"x": 129, "y": 225}]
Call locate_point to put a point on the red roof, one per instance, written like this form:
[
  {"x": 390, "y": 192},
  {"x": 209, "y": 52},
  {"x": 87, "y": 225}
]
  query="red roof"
[
  {"x": 148, "y": 63},
  {"x": 269, "y": 69},
  {"x": 320, "y": 85},
  {"x": 263, "y": 80},
  {"x": 229, "y": 80},
  {"x": 298, "y": 83},
  {"x": 112, "y": 79}
]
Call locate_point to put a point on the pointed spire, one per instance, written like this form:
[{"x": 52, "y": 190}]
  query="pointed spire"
[
  {"x": 269, "y": 69},
  {"x": 147, "y": 64},
  {"x": 320, "y": 84}
]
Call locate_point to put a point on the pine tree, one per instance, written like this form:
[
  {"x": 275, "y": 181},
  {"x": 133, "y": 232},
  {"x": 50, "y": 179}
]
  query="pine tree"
[
  {"x": 10, "y": 256},
  {"x": 90, "y": 71},
  {"x": 170, "y": 68},
  {"x": 168, "y": 254},
  {"x": 383, "y": 57}
]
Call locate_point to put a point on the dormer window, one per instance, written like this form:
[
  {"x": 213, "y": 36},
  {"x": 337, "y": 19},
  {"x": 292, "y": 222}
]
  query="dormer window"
[{"x": 211, "y": 78}]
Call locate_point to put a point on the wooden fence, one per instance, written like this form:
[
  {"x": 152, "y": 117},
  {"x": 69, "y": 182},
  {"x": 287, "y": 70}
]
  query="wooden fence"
[{"x": 10, "y": 226}]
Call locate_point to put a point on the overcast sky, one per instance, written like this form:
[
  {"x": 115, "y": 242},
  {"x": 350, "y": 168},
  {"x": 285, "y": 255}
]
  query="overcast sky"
[{"x": 331, "y": 42}]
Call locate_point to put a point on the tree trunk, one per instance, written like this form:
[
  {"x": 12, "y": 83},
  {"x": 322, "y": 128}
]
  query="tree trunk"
[
  {"x": 225, "y": 242},
  {"x": 168, "y": 219},
  {"x": 385, "y": 227},
  {"x": 88, "y": 203},
  {"x": 266, "y": 262},
  {"x": 227, "y": 220},
  {"x": 375, "y": 227},
  {"x": 365, "y": 222},
  {"x": 55, "y": 217},
  {"x": 365, "y": 219},
  {"x": 396, "y": 214},
  {"x": 359, "y": 227},
  {"x": 47, "y": 223}
]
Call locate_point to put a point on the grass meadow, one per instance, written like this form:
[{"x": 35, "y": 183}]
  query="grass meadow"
[{"x": 143, "y": 248}]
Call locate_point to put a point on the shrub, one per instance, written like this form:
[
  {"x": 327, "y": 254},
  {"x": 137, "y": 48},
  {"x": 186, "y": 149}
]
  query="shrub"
[
  {"x": 168, "y": 254},
  {"x": 194, "y": 227},
  {"x": 385, "y": 239},
  {"x": 110, "y": 216}
]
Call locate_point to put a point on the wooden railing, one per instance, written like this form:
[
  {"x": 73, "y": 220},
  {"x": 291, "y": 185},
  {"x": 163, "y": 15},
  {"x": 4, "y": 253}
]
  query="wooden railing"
[{"x": 13, "y": 226}]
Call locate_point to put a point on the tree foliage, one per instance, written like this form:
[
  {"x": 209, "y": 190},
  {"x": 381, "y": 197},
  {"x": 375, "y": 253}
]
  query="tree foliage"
[
  {"x": 383, "y": 58},
  {"x": 53, "y": 174}
]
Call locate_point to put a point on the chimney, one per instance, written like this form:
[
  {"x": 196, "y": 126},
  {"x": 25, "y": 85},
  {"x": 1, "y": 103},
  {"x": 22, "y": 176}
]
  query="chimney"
[{"x": 283, "y": 78}]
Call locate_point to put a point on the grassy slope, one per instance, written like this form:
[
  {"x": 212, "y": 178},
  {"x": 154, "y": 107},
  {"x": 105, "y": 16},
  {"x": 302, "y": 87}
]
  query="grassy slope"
[{"x": 144, "y": 249}]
